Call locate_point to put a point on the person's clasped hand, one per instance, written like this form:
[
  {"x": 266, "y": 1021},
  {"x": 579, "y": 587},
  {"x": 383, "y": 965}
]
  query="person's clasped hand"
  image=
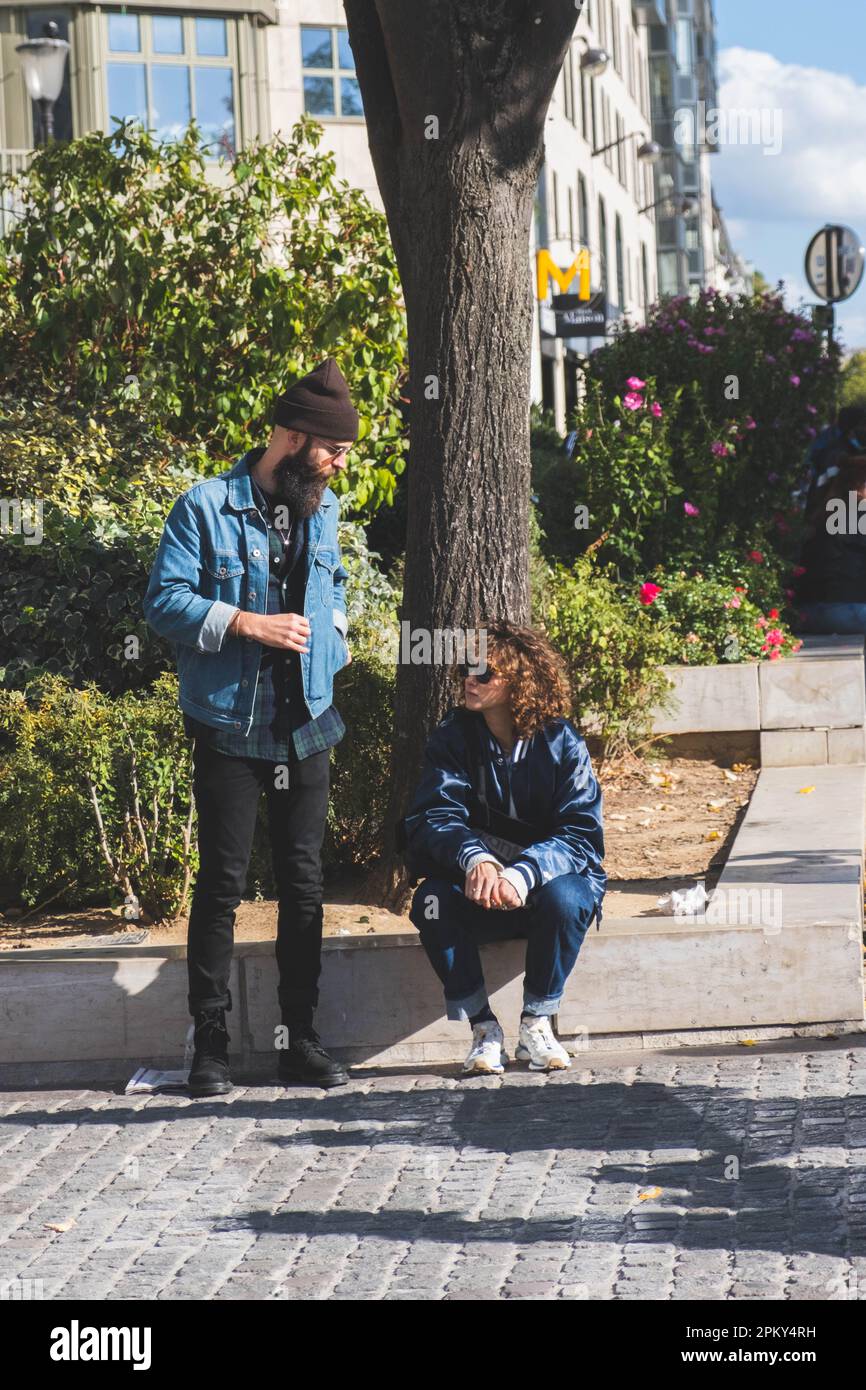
[{"x": 485, "y": 887}]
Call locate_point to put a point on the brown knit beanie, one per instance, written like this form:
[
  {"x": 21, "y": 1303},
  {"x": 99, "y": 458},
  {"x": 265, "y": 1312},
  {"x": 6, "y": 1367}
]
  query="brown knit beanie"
[{"x": 319, "y": 404}]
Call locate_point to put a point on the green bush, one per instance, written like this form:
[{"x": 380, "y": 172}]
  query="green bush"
[
  {"x": 103, "y": 483},
  {"x": 95, "y": 796},
  {"x": 138, "y": 273}
]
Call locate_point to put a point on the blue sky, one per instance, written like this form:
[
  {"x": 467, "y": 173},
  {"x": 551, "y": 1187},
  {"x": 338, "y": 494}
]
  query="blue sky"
[{"x": 802, "y": 66}]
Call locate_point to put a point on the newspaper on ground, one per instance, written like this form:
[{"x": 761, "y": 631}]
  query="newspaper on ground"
[{"x": 148, "y": 1080}]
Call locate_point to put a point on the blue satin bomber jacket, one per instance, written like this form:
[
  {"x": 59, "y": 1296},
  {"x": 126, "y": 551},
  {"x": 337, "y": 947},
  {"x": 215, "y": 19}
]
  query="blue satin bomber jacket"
[{"x": 552, "y": 784}]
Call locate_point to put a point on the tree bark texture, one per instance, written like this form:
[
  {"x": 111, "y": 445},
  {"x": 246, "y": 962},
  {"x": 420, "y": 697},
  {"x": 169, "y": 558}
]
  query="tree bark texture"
[{"x": 455, "y": 95}]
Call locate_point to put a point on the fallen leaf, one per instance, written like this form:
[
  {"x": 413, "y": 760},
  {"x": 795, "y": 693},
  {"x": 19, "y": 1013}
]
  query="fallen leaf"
[
  {"x": 804, "y": 791},
  {"x": 713, "y": 835},
  {"x": 741, "y": 767},
  {"x": 748, "y": 1042},
  {"x": 60, "y": 1226},
  {"x": 649, "y": 1194},
  {"x": 363, "y": 919}
]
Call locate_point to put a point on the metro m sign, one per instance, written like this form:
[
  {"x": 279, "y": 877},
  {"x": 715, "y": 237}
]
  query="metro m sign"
[{"x": 546, "y": 269}]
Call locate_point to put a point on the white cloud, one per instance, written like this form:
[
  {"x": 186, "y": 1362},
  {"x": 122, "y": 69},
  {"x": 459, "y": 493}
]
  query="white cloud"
[{"x": 820, "y": 171}]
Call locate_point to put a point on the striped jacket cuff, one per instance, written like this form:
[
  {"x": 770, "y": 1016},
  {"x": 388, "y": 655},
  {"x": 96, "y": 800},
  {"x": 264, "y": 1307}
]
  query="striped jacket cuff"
[
  {"x": 470, "y": 856},
  {"x": 527, "y": 874},
  {"x": 517, "y": 881}
]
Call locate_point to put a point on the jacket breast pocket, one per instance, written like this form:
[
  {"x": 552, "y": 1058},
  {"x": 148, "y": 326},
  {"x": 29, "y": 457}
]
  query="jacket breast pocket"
[{"x": 222, "y": 573}]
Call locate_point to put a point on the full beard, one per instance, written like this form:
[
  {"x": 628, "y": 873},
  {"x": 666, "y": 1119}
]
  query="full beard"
[{"x": 298, "y": 482}]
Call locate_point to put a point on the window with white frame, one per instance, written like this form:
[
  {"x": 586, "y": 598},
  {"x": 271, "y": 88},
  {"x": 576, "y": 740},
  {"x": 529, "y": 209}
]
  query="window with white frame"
[
  {"x": 165, "y": 70},
  {"x": 328, "y": 69}
]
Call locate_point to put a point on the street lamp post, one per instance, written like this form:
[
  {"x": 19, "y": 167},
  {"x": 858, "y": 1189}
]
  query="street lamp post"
[
  {"x": 649, "y": 151},
  {"x": 686, "y": 207},
  {"x": 43, "y": 62}
]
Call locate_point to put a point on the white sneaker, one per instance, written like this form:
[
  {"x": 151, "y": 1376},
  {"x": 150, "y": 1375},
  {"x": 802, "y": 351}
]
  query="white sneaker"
[
  {"x": 539, "y": 1047},
  {"x": 487, "y": 1054}
]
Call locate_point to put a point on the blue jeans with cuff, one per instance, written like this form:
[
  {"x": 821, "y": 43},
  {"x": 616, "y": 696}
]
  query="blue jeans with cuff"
[{"x": 553, "y": 921}]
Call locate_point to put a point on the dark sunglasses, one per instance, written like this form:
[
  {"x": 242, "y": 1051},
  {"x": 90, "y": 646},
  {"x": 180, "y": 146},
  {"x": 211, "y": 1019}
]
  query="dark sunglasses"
[{"x": 482, "y": 677}]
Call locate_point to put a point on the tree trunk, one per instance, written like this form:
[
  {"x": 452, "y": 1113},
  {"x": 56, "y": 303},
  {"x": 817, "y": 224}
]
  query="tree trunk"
[{"x": 455, "y": 95}]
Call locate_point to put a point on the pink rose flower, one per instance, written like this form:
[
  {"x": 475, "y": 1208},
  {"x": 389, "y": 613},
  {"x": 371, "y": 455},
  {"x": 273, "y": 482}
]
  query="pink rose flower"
[
  {"x": 735, "y": 602},
  {"x": 634, "y": 383},
  {"x": 719, "y": 449},
  {"x": 633, "y": 401},
  {"x": 756, "y": 556},
  {"x": 691, "y": 509},
  {"x": 656, "y": 410},
  {"x": 794, "y": 380},
  {"x": 751, "y": 424},
  {"x": 649, "y": 593}
]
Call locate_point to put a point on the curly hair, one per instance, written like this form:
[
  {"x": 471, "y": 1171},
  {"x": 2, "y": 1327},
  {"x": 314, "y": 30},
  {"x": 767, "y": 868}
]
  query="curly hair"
[{"x": 536, "y": 673}]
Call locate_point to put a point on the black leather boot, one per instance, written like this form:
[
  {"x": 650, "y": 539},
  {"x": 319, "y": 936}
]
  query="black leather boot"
[
  {"x": 209, "y": 1073},
  {"x": 306, "y": 1063}
]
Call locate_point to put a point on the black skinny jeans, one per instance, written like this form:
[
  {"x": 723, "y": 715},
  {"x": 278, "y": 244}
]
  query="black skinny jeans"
[{"x": 227, "y": 792}]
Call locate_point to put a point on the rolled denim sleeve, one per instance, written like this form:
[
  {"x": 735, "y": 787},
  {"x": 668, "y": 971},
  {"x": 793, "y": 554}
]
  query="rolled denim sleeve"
[{"x": 172, "y": 605}]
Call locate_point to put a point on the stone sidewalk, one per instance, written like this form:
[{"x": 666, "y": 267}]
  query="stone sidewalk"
[{"x": 422, "y": 1186}]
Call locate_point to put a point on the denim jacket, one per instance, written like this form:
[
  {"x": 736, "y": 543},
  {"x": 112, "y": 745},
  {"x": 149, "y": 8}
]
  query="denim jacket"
[
  {"x": 551, "y": 784},
  {"x": 213, "y": 558}
]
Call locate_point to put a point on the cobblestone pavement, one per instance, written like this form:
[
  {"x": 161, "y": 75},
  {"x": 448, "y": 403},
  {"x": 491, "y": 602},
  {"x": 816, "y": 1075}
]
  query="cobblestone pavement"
[{"x": 732, "y": 1174}]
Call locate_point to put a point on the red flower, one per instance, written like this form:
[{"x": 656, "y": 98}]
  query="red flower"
[
  {"x": 773, "y": 613},
  {"x": 649, "y": 593}
]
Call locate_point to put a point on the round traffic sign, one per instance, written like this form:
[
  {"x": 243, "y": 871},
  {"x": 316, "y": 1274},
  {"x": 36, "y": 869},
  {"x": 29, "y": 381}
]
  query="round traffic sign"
[{"x": 835, "y": 262}]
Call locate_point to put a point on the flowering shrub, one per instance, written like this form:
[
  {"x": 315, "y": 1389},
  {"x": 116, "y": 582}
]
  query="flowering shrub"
[
  {"x": 704, "y": 619},
  {"x": 613, "y": 647},
  {"x": 687, "y": 446},
  {"x": 748, "y": 382}
]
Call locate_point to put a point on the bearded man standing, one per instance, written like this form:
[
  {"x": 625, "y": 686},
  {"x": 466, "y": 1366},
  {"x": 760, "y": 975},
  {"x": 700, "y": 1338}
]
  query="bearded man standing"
[{"x": 249, "y": 585}]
